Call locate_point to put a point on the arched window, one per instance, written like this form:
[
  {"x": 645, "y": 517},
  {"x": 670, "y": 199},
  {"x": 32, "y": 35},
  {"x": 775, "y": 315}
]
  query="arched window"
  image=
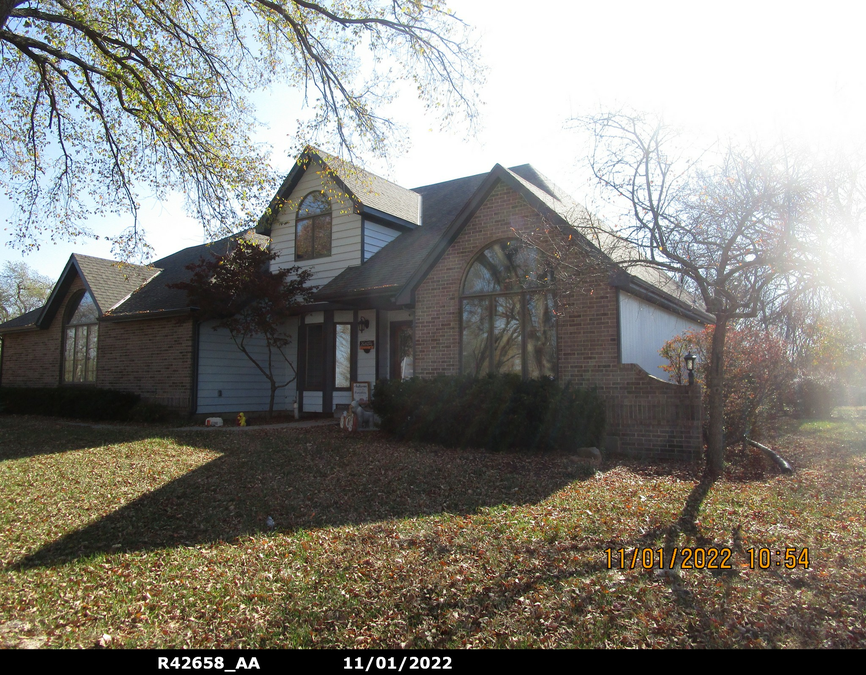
[
  {"x": 313, "y": 227},
  {"x": 508, "y": 313},
  {"x": 80, "y": 337}
]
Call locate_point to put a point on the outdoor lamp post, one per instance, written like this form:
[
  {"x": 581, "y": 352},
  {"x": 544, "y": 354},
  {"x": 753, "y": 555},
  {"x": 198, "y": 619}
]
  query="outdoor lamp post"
[{"x": 690, "y": 366}]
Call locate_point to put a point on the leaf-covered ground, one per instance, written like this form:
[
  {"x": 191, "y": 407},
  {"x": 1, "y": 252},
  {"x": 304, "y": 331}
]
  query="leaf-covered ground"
[{"x": 160, "y": 539}]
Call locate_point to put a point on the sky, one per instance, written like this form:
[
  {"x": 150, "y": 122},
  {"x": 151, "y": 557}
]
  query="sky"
[{"x": 755, "y": 68}]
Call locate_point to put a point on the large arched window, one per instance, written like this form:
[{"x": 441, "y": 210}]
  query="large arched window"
[
  {"x": 80, "y": 337},
  {"x": 508, "y": 313},
  {"x": 313, "y": 227}
]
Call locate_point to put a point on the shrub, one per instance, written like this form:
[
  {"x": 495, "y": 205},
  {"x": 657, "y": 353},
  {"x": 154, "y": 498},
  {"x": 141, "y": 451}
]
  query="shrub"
[
  {"x": 757, "y": 374},
  {"x": 813, "y": 398},
  {"x": 76, "y": 402},
  {"x": 149, "y": 412},
  {"x": 496, "y": 412}
]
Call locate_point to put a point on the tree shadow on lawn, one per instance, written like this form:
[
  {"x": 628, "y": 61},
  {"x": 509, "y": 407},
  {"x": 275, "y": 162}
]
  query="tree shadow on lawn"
[
  {"x": 317, "y": 477},
  {"x": 23, "y": 436}
]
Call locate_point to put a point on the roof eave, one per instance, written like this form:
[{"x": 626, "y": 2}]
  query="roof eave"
[
  {"x": 388, "y": 219},
  {"x": 646, "y": 291},
  {"x": 49, "y": 310},
  {"x": 19, "y": 329},
  {"x": 147, "y": 315}
]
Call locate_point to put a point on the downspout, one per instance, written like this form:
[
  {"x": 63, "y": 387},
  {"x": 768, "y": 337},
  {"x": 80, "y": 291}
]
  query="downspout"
[{"x": 193, "y": 397}]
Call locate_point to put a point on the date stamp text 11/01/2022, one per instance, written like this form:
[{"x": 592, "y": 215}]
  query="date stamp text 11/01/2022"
[{"x": 705, "y": 558}]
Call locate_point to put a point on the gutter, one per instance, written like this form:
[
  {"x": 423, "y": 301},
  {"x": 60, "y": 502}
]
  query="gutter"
[
  {"x": 20, "y": 329},
  {"x": 143, "y": 316},
  {"x": 648, "y": 292}
]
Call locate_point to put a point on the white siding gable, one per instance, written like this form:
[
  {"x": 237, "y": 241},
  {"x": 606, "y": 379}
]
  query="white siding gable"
[
  {"x": 345, "y": 229},
  {"x": 644, "y": 329}
]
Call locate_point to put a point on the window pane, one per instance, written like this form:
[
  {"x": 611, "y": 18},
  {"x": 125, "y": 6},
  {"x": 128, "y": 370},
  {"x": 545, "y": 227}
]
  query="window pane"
[
  {"x": 80, "y": 352},
  {"x": 304, "y": 242},
  {"x": 484, "y": 277},
  {"x": 315, "y": 357},
  {"x": 406, "y": 353},
  {"x": 322, "y": 236},
  {"x": 506, "y": 266},
  {"x": 507, "y": 335},
  {"x": 92, "y": 333},
  {"x": 314, "y": 204},
  {"x": 343, "y": 373},
  {"x": 85, "y": 312},
  {"x": 476, "y": 336},
  {"x": 69, "y": 355},
  {"x": 540, "y": 336}
]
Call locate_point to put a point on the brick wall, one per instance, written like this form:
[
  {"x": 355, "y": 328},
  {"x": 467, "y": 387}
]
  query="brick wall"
[
  {"x": 152, "y": 358},
  {"x": 646, "y": 416},
  {"x": 33, "y": 358}
]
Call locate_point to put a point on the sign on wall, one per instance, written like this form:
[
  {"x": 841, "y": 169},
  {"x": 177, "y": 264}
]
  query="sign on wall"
[{"x": 360, "y": 391}]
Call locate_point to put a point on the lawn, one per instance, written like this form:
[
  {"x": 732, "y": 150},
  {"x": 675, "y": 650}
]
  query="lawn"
[{"x": 159, "y": 538}]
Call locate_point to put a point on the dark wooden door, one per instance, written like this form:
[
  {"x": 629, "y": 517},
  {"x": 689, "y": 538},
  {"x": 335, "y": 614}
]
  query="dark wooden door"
[{"x": 402, "y": 350}]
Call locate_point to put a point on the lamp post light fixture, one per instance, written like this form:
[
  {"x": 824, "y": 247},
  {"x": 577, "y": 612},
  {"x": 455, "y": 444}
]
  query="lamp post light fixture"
[{"x": 690, "y": 366}]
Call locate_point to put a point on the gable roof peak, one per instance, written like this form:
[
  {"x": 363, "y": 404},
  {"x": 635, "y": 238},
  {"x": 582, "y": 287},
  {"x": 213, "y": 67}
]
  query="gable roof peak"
[{"x": 369, "y": 193}]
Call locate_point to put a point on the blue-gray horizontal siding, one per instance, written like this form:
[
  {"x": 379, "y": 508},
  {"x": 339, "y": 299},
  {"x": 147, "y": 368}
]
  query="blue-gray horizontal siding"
[
  {"x": 375, "y": 237},
  {"x": 222, "y": 367}
]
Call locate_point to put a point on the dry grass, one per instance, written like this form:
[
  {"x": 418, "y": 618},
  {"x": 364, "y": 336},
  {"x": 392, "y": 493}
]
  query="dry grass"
[{"x": 159, "y": 539}]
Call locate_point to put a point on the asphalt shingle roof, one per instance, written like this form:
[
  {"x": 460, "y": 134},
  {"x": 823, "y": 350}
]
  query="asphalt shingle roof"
[
  {"x": 156, "y": 297},
  {"x": 110, "y": 281},
  {"x": 374, "y": 191},
  {"x": 23, "y": 320},
  {"x": 127, "y": 291},
  {"x": 394, "y": 263}
]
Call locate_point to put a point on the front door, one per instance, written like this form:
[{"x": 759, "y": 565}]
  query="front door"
[{"x": 402, "y": 350}]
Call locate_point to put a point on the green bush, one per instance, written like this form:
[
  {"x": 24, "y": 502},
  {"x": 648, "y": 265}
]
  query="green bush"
[
  {"x": 77, "y": 402},
  {"x": 497, "y": 412},
  {"x": 814, "y": 399}
]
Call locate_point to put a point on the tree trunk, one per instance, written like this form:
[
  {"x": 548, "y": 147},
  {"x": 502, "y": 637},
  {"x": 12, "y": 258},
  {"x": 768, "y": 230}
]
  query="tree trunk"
[
  {"x": 273, "y": 396},
  {"x": 716, "y": 399}
]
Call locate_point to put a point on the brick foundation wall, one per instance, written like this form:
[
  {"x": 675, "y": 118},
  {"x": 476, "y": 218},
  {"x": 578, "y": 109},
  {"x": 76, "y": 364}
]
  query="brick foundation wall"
[
  {"x": 152, "y": 358},
  {"x": 646, "y": 416}
]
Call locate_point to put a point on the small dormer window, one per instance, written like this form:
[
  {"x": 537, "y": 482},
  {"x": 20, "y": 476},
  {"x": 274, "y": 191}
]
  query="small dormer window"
[
  {"x": 80, "y": 337},
  {"x": 313, "y": 227}
]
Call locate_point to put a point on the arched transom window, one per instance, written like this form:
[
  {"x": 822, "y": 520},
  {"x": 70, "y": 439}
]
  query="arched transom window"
[
  {"x": 313, "y": 227},
  {"x": 81, "y": 334},
  {"x": 508, "y": 313}
]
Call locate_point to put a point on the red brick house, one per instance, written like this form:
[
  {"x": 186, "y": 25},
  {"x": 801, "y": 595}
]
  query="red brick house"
[{"x": 434, "y": 280}]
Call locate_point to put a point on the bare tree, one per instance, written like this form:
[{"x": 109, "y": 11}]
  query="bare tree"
[
  {"x": 103, "y": 99},
  {"x": 828, "y": 251},
  {"x": 722, "y": 224}
]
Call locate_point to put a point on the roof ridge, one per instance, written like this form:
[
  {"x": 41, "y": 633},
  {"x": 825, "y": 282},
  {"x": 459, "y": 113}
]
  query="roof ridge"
[{"x": 324, "y": 154}]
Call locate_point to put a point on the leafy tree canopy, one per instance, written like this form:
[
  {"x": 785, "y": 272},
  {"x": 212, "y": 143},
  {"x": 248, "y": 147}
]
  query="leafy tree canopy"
[
  {"x": 104, "y": 99},
  {"x": 21, "y": 289}
]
